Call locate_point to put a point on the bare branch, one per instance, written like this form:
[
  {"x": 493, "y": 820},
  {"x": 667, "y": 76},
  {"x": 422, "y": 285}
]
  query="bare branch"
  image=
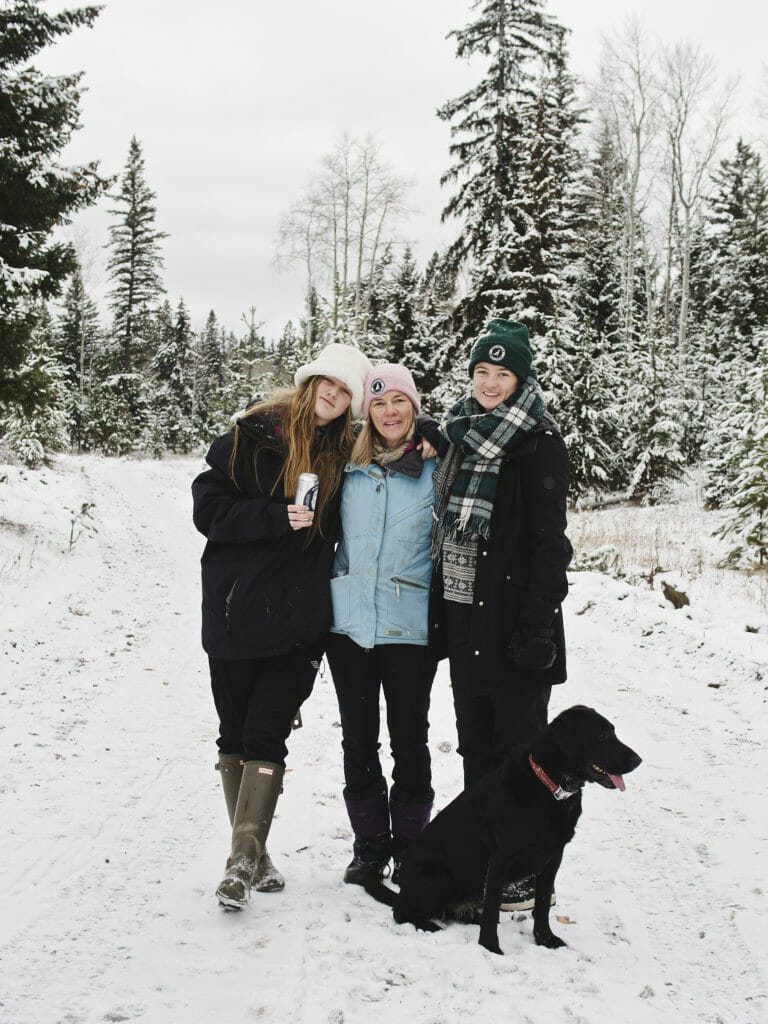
[{"x": 349, "y": 209}]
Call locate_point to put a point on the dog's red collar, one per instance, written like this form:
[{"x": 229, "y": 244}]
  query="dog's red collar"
[{"x": 557, "y": 791}]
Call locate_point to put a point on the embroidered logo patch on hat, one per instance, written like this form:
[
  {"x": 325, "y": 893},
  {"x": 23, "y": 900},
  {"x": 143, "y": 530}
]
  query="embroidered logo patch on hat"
[
  {"x": 497, "y": 352},
  {"x": 377, "y": 386}
]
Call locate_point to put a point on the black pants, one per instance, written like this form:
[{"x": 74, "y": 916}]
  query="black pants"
[
  {"x": 257, "y": 699},
  {"x": 491, "y": 717},
  {"x": 405, "y": 673}
]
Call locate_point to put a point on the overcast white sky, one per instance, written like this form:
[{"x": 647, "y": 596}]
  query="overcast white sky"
[{"x": 235, "y": 102}]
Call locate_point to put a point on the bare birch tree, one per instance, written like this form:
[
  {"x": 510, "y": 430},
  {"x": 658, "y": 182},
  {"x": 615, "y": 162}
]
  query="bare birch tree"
[
  {"x": 338, "y": 229},
  {"x": 627, "y": 92},
  {"x": 695, "y": 114}
]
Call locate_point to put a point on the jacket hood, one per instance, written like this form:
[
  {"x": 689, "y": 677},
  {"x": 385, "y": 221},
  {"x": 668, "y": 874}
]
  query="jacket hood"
[
  {"x": 259, "y": 428},
  {"x": 546, "y": 424}
]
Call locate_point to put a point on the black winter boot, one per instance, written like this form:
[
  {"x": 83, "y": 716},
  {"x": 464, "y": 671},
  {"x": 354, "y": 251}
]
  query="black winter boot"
[
  {"x": 408, "y": 821},
  {"x": 372, "y": 848},
  {"x": 370, "y": 861}
]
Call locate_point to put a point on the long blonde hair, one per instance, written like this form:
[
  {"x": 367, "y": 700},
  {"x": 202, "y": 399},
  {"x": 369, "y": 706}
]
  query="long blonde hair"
[
  {"x": 362, "y": 453},
  {"x": 304, "y": 452}
]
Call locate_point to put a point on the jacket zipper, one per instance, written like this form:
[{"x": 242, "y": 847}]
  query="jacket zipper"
[
  {"x": 398, "y": 580},
  {"x": 228, "y": 607}
]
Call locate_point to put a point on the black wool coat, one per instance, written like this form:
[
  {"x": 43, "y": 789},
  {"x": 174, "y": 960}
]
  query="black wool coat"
[
  {"x": 264, "y": 592},
  {"x": 520, "y": 578}
]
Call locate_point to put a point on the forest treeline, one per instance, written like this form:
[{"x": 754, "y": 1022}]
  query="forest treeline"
[{"x": 626, "y": 224}]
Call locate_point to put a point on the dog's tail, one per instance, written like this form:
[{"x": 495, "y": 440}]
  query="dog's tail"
[{"x": 381, "y": 893}]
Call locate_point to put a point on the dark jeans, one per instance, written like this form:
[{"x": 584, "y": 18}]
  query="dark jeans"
[
  {"x": 491, "y": 717},
  {"x": 257, "y": 699},
  {"x": 404, "y": 672}
]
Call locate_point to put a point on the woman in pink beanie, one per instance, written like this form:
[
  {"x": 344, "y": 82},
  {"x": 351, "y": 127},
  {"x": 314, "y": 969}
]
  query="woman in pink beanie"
[{"x": 380, "y": 591}]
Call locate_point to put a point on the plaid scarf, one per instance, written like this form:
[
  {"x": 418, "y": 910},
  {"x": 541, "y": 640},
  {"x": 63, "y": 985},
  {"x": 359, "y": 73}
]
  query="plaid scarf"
[{"x": 467, "y": 475}]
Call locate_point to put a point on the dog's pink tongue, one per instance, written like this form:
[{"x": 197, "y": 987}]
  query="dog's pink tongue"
[{"x": 618, "y": 781}]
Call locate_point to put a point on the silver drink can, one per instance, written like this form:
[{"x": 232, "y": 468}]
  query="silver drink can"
[{"x": 306, "y": 490}]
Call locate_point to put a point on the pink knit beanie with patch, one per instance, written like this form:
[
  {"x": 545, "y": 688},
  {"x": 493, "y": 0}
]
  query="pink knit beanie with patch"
[{"x": 389, "y": 377}]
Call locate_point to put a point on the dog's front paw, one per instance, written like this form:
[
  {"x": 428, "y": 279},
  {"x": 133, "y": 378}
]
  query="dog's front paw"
[
  {"x": 425, "y": 925},
  {"x": 548, "y": 939},
  {"x": 492, "y": 945}
]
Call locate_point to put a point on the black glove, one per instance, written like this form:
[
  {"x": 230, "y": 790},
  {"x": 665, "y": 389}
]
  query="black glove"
[
  {"x": 533, "y": 649},
  {"x": 429, "y": 429}
]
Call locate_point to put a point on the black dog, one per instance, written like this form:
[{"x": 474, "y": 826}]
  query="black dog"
[{"x": 512, "y": 824}]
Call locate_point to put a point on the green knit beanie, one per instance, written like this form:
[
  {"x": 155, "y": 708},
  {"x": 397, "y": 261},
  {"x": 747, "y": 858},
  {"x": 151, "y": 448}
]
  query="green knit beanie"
[{"x": 503, "y": 343}]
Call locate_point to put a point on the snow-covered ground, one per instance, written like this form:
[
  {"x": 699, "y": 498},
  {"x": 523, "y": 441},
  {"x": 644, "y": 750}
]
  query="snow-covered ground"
[{"x": 114, "y": 829}]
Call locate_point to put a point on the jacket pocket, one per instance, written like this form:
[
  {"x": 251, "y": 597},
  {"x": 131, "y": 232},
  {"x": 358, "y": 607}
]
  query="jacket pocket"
[
  {"x": 421, "y": 509},
  {"x": 407, "y": 605},
  {"x": 341, "y": 591}
]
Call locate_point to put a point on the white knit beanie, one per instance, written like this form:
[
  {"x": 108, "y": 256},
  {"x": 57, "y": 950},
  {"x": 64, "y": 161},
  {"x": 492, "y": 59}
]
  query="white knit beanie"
[{"x": 344, "y": 362}]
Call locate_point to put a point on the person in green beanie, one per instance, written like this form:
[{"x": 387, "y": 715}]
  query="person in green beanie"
[{"x": 500, "y": 553}]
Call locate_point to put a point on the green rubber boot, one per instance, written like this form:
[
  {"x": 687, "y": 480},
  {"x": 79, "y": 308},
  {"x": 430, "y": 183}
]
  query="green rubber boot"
[
  {"x": 267, "y": 877},
  {"x": 260, "y": 785}
]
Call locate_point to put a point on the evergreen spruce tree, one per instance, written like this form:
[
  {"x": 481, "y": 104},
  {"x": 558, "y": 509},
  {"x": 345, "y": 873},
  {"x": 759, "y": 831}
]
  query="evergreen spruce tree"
[
  {"x": 729, "y": 313},
  {"x": 292, "y": 351},
  {"x": 413, "y": 334},
  {"x": 401, "y": 314},
  {"x": 38, "y": 114},
  {"x": 599, "y": 220},
  {"x": 438, "y": 356},
  {"x": 313, "y": 326},
  {"x": 490, "y": 125},
  {"x": 134, "y": 266},
  {"x": 542, "y": 257},
  {"x": 746, "y": 459},
  {"x": 598, "y": 432},
  {"x": 170, "y": 427},
  {"x": 699, "y": 398},
  {"x": 374, "y": 336},
  {"x": 256, "y": 367},
  {"x": 209, "y": 370},
  {"x": 581, "y": 396},
  {"x": 249, "y": 375},
  {"x": 653, "y": 455},
  {"x": 737, "y": 255},
  {"x": 118, "y": 409},
  {"x": 77, "y": 339},
  {"x": 719, "y": 456},
  {"x": 286, "y": 343},
  {"x": 233, "y": 397},
  {"x": 33, "y": 433}
]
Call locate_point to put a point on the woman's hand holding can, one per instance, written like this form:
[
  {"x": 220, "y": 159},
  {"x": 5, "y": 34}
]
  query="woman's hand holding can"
[{"x": 300, "y": 517}]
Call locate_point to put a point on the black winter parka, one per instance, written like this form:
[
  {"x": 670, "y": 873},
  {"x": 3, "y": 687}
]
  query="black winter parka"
[
  {"x": 264, "y": 592},
  {"x": 520, "y": 578}
]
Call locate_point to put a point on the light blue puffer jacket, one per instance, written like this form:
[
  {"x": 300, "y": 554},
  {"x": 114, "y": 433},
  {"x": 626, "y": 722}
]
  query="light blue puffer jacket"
[{"x": 382, "y": 569}]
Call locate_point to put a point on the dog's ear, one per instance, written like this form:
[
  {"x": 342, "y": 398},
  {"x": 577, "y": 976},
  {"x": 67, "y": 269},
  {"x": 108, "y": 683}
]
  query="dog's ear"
[{"x": 579, "y": 727}]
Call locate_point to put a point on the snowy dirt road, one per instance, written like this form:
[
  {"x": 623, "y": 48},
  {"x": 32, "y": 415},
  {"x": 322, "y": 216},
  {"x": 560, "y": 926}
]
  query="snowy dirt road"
[{"x": 115, "y": 831}]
